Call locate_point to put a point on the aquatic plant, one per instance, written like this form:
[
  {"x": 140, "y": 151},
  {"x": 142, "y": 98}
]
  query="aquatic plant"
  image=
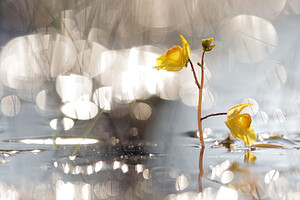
[{"x": 175, "y": 59}]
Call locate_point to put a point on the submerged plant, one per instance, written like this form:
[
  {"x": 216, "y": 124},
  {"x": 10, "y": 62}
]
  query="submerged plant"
[{"x": 178, "y": 57}]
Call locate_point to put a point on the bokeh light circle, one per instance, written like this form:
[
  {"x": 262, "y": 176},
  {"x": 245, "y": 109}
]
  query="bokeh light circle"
[
  {"x": 250, "y": 38},
  {"x": 10, "y": 105}
]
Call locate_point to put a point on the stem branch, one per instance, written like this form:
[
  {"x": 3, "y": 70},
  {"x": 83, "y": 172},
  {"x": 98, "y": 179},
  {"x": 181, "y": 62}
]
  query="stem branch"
[
  {"x": 194, "y": 73},
  {"x": 211, "y": 115}
]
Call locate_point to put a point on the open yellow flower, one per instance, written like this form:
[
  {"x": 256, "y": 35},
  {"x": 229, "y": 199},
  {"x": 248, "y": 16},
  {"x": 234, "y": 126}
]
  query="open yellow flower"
[
  {"x": 240, "y": 124},
  {"x": 175, "y": 58}
]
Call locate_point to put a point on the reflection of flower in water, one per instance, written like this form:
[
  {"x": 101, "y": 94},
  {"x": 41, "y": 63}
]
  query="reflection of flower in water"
[
  {"x": 244, "y": 181},
  {"x": 249, "y": 157},
  {"x": 239, "y": 179}
]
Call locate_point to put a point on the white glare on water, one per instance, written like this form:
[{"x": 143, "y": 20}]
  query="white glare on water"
[
  {"x": 207, "y": 193},
  {"x": 272, "y": 175},
  {"x": 182, "y": 182},
  {"x": 218, "y": 170},
  {"x": 146, "y": 174},
  {"x": 86, "y": 192},
  {"x": 139, "y": 168},
  {"x": 227, "y": 177},
  {"x": 116, "y": 165},
  {"x": 60, "y": 141},
  {"x": 65, "y": 191},
  {"x": 125, "y": 168},
  {"x": 98, "y": 166},
  {"x": 89, "y": 169},
  {"x": 81, "y": 110},
  {"x": 226, "y": 193}
]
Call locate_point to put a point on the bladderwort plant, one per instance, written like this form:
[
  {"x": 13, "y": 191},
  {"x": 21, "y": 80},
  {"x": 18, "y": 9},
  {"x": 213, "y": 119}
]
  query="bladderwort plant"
[{"x": 175, "y": 59}]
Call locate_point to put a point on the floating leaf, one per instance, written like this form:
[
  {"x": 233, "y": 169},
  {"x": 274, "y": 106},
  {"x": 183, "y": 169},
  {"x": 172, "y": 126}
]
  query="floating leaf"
[{"x": 266, "y": 145}]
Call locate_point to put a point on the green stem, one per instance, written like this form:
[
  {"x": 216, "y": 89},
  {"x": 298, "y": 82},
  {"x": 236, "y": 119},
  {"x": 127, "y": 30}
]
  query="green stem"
[
  {"x": 81, "y": 174},
  {"x": 87, "y": 131}
]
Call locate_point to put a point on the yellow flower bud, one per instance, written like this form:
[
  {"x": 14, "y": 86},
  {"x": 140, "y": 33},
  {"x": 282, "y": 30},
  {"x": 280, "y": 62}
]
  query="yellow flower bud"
[{"x": 206, "y": 44}]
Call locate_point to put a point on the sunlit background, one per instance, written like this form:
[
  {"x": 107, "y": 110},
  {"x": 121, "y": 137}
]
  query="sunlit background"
[{"x": 63, "y": 62}]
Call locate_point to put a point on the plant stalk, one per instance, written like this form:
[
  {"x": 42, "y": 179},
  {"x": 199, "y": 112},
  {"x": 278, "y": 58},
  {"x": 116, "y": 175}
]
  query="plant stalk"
[
  {"x": 87, "y": 131},
  {"x": 200, "y": 102},
  {"x": 201, "y": 171}
]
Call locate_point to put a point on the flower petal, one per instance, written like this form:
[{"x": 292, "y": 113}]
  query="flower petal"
[
  {"x": 211, "y": 47},
  {"x": 243, "y": 120},
  {"x": 161, "y": 59},
  {"x": 175, "y": 58},
  {"x": 186, "y": 50},
  {"x": 174, "y": 54},
  {"x": 235, "y": 110},
  {"x": 171, "y": 60},
  {"x": 237, "y": 131},
  {"x": 240, "y": 124},
  {"x": 169, "y": 67}
]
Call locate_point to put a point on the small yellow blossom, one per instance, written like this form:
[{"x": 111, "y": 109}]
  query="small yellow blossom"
[
  {"x": 175, "y": 58},
  {"x": 240, "y": 124},
  {"x": 206, "y": 44}
]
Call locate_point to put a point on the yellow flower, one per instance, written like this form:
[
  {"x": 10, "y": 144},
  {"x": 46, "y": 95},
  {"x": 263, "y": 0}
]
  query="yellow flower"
[
  {"x": 175, "y": 58},
  {"x": 240, "y": 124},
  {"x": 206, "y": 44}
]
